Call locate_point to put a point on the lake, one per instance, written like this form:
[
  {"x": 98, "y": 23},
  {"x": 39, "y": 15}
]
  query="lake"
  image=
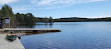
[{"x": 73, "y": 35}]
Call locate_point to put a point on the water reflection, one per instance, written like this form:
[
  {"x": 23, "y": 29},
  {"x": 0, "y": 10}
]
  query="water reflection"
[
  {"x": 26, "y": 26},
  {"x": 36, "y": 25}
]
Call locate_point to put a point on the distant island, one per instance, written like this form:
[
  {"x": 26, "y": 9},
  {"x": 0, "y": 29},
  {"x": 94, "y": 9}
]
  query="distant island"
[{"x": 78, "y": 19}]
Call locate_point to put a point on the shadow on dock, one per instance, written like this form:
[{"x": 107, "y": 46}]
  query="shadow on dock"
[{"x": 8, "y": 40}]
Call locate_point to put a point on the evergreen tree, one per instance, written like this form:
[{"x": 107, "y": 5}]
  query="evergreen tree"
[
  {"x": 6, "y": 11},
  {"x": 51, "y": 20}
]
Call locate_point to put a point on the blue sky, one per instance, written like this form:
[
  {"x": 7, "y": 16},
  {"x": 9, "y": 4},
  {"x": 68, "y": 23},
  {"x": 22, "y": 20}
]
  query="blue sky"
[{"x": 61, "y": 8}]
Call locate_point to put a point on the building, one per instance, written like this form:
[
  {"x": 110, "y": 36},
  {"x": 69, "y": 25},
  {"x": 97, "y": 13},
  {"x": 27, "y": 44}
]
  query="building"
[
  {"x": 1, "y": 23},
  {"x": 4, "y": 22}
]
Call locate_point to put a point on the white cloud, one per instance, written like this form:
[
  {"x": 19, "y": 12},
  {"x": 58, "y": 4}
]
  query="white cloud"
[
  {"x": 45, "y": 2},
  {"x": 51, "y": 4},
  {"x": 48, "y": 2},
  {"x": 6, "y": 1},
  {"x": 19, "y": 9},
  {"x": 87, "y": 1},
  {"x": 96, "y": 16}
]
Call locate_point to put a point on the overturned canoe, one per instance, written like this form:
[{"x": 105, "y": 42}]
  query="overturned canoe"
[{"x": 11, "y": 36}]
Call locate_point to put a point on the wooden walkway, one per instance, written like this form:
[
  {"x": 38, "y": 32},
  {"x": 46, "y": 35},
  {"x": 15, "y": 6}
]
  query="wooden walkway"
[
  {"x": 27, "y": 29},
  {"x": 5, "y": 44},
  {"x": 30, "y": 30}
]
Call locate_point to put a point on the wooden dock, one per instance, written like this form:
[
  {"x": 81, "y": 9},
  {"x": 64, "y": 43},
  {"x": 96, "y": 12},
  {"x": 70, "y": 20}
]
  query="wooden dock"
[
  {"x": 30, "y": 30},
  {"x": 5, "y": 44}
]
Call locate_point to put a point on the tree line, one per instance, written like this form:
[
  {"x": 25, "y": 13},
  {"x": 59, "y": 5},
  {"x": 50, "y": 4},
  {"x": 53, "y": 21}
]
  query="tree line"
[
  {"x": 77, "y": 19},
  {"x": 18, "y": 18},
  {"x": 30, "y": 19}
]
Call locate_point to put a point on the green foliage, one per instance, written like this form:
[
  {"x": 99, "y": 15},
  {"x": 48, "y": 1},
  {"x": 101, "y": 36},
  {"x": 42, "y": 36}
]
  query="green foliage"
[
  {"x": 51, "y": 19},
  {"x": 25, "y": 18},
  {"x": 6, "y": 11},
  {"x": 45, "y": 20},
  {"x": 18, "y": 18}
]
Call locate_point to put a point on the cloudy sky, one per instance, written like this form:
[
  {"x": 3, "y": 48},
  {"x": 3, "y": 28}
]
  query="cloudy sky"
[{"x": 61, "y": 8}]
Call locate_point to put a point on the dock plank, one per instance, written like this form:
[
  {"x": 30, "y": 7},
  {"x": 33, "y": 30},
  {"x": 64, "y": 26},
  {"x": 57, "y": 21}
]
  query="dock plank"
[
  {"x": 31, "y": 30},
  {"x": 27, "y": 29}
]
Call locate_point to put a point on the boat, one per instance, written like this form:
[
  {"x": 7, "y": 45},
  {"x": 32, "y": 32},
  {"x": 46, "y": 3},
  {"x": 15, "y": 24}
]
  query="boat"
[{"x": 11, "y": 36}]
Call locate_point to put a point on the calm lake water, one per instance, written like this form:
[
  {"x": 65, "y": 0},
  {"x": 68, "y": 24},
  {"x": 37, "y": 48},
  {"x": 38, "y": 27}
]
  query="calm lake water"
[{"x": 74, "y": 35}]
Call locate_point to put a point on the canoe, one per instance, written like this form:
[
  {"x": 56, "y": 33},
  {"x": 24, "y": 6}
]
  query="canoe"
[{"x": 11, "y": 36}]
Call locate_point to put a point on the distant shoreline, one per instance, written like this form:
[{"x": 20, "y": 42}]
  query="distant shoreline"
[
  {"x": 77, "y": 19},
  {"x": 84, "y": 21}
]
